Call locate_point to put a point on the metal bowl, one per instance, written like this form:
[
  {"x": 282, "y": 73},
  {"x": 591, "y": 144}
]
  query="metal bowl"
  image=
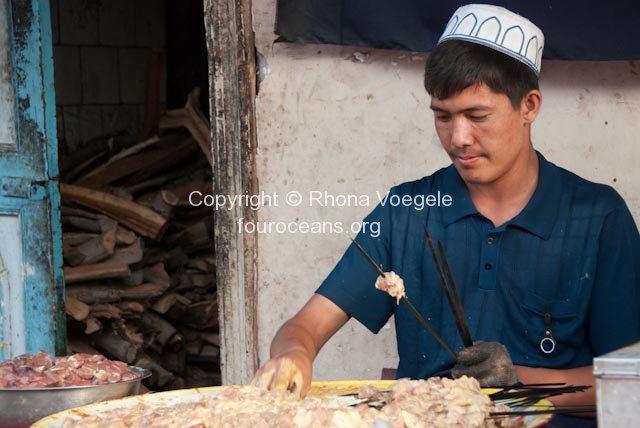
[{"x": 20, "y": 407}]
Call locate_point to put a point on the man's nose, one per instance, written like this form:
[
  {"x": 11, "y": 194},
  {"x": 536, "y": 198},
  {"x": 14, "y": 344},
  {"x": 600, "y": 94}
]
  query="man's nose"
[{"x": 461, "y": 133}]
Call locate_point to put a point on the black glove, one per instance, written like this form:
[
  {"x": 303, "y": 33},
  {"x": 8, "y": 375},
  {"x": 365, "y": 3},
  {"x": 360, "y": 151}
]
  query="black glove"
[{"x": 488, "y": 362}]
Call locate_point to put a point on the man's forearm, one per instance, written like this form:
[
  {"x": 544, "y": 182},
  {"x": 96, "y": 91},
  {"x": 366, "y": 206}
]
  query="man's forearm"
[
  {"x": 310, "y": 329},
  {"x": 293, "y": 337},
  {"x": 577, "y": 376}
]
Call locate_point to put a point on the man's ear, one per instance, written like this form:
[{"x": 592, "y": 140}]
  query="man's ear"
[{"x": 530, "y": 105}]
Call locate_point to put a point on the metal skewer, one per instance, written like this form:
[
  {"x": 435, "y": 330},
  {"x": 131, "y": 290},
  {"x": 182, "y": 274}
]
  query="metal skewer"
[
  {"x": 466, "y": 337},
  {"x": 426, "y": 325},
  {"x": 369, "y": 258},
  {"x": 409, "y": 305},
  {"x": 453, "y": 297}
]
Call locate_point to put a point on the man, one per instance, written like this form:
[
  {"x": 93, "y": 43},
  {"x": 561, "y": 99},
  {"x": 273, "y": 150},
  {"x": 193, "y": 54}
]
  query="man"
[{"x": 546, "y": 262}]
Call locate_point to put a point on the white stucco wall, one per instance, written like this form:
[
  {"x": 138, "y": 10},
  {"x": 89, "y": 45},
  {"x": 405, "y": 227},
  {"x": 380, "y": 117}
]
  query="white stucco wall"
[{"x": 329, "y": 121}]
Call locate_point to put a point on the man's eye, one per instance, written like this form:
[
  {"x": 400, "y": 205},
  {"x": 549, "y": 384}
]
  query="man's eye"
[
  {"x": 478, "y": 118},
  {"x": 443, "y": 118}
]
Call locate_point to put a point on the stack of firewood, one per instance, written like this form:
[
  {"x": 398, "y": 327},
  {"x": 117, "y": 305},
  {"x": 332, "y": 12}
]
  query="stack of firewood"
[{"x": 139, "y": 259}]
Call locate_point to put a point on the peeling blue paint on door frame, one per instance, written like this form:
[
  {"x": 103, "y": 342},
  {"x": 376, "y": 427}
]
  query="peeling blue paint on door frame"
[{"x": 35, "y": 160}]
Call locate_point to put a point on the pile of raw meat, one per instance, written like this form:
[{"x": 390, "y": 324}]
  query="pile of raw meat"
[{"x": 44, "y": 371}]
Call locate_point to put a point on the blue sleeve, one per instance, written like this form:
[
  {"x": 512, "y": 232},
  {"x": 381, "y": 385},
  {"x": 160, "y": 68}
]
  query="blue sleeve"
[
  {"x": 351, "y": 284},
  {"x": 614, "y": 312}
]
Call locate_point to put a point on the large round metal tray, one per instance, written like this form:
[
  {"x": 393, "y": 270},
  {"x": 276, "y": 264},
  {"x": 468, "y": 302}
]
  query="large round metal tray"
[
  {"x": 333, "y": 390},
  {"x": 20, "y": 407}
]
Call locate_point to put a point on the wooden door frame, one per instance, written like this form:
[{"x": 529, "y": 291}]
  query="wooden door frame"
[{"x": 232, "y": 94}]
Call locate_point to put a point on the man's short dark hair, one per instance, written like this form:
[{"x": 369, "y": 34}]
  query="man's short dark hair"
[{"x": 455, "y": 65}]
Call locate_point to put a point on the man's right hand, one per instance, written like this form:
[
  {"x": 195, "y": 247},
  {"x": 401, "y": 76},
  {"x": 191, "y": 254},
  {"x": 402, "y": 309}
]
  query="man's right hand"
[
  {"x": 291, "y": 371},
  {"x": 296, "y": 345}
]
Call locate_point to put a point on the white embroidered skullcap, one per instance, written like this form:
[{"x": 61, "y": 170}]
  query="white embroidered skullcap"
[{"x": 499, "y": 29}]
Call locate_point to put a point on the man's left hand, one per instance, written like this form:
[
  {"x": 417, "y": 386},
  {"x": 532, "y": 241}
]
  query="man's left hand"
[{"x": 488, "y": 362}]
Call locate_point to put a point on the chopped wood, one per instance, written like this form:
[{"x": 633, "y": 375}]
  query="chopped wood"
[
  {"x": 92, "y": 325},
  {"x": 133, "y": 150},
  {"x": 136, "y": 295},
  {"x": 95, "y": 271},
  {"x": 174, "y": 361},
  {"x": 167, "y": 150},
  {"x": 194, "y": 347},
  {"x": 192, "y": 118},
  {"x": 129, "y": 308},
  {"x": 197, "y": 377},
  {"x": 136, "y": 278},
  {"x": 176, "y": 258},
  {"x": 138, "y": 218},
  {"x": 92, "y": 251},
  {"x": 184, "y": 190},
  {"x": 177, "y": 158},
  {"x": 165, "y": 332},
  {"x": 76, "y": 172},
  {"x": 82, "y": 223},
  {"x": 157, "y": 274},
  {"x": 75, "y": 346},
  {"x": 211, "y": 338},
  {"x": 105, "y": 310},
  {"x": 166, "y": 302},
  {"x": 97, "y": 225},
  {"x": 154, "y": 182},
  {"x": 129, "y": 332},
  {"x": 202, "y": 279},
  {"x": 209, "y": 351},
  {"x": 77, "y": 212},
  {"x": 191, "y": 280},
  {"x": 72, "y": 239},
  {"x": 115, "y": 346},
  {"x": 77, "y": 160},
  {"x": 102, "y": 293},
  {"x": 162, "y": 202},
  {"x": 130, "y": 254},
  {"x": 160, "y": 376},
  {"x": 107, "y": 224},
  {"x": 200, "y": 264},
  {"x": 120, "y": 192},
  {"x": 191, "y": 335},
  {"x": 201, "y": 315},
  {"x": 76, "y": 309},
  {"x": 177, "y": 383},
  {"x": 197, "y": 236},
  {"x": 125, "y": 236}
]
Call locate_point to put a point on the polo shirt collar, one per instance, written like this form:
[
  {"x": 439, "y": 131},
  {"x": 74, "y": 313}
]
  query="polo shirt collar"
[
  {"x": 538, "y": 216},
  {"x": 541, "y": 212},
  {"x": 462, "y": 205}
]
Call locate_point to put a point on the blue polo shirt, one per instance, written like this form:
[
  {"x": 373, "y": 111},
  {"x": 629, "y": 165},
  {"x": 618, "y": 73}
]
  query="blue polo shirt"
[{"x": 573, "y": 253}]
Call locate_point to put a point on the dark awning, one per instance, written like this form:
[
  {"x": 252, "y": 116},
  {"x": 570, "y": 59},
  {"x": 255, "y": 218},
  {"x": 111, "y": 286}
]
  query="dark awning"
[{"x": 573, "y": 29}]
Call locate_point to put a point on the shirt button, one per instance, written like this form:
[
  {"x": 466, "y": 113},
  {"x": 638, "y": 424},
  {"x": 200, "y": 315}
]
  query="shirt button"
[
  {"x": 488, "y": 266},
  {"x": 490, "y": 240}
]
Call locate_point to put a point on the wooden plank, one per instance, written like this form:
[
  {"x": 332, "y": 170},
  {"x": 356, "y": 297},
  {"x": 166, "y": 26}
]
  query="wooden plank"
[
  {"x": 92, "y": 251},
  {"x": 165, "y": 150},
  {"x": 130, "y": 254},
  {"x": 73, "y": 239},
  {"x": 95, "y": 271},
  {"x": 192, "y": 118},
  {"x": 124, "y": 236},
  {"x": 136, "y": 217},
  {"x": 76, "y": 309},
  {"x": 108, "y": 293},
  {"x": 232, "y": 81}
]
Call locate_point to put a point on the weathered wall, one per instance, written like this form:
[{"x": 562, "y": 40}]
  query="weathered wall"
[
  {"x": 356, "y": 121},
  {"x": 101, "y": 54}
]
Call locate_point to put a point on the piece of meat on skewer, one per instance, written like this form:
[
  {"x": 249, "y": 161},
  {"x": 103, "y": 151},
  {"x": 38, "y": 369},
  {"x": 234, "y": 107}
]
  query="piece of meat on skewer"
[{"x": 392, "y": 284}]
